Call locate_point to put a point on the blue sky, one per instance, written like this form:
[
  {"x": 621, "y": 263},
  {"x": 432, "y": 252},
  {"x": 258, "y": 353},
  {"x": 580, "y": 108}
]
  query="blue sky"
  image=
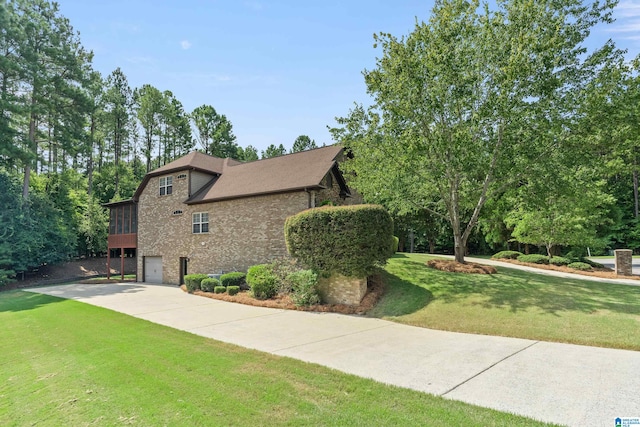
[{"x": 277, "y": 69}]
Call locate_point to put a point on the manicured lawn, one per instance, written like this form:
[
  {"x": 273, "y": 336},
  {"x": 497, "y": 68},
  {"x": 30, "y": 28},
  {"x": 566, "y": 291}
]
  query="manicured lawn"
[
  {"x": 67, "y": 363},
  {"x": 511, "y": 303}
]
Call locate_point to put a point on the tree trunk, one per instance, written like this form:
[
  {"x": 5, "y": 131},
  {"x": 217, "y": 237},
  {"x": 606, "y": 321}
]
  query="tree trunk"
[
  {"x": 34, "y": 146},
  {"x": 460, "y": 246},
  {"x": 635, "y": 192},
  {"x": 432, "y": 246},
  {"x": 549, "y": 247}
]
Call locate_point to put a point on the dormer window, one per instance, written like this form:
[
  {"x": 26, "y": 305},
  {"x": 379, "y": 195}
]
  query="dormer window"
[{"x": 166, "y": 185}]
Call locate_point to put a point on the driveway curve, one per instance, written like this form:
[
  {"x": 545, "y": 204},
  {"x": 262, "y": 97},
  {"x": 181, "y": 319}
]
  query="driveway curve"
[{"x": 560, "y": 383}]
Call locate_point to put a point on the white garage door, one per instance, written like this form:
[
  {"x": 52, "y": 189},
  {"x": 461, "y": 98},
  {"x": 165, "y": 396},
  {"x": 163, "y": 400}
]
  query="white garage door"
[{"x": 153, "y": 269}]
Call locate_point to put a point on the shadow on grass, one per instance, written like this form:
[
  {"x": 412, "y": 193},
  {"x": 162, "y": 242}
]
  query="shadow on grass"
[
  {"x": 411, "y": 285},
  {"x": 21, "y": 301}
]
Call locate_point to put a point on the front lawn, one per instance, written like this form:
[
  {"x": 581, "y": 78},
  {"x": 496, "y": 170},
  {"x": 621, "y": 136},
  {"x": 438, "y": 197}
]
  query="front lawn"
[
  {"x": 68, "y": 363},
  {"x": 511, "y": 303}
]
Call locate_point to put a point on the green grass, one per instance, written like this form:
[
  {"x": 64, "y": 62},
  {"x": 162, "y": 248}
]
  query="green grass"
[
  {"x": 511, "y": 303},
  {"x": 68, "y": 363}
]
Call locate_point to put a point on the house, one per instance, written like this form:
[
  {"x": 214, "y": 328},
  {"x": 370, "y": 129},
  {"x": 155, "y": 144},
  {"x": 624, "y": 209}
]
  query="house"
[{"x": 203, "y": 214}]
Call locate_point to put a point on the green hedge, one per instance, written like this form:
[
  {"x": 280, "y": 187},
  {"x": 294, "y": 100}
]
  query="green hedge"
[
  {"x": 304, "y": 285},
  {"x": 396, "y": 243},
  {"x": 209, "y": 283},
  {"x": 507, "y": 255},
  {"x": 534, "y": 259},
  {"x": 233, "y": 279},
  {"x": 192, "y": 281},
  {"x": 262, "y": 280},
  {"x": 579, "y": 266},
  {"x": 219, "y": 290},
  {"x": 350, "y": 240},
  {"x": 559, "y": 260},
  {"x": 232, "y": 290},
  {"x": 592, "y": 263}
]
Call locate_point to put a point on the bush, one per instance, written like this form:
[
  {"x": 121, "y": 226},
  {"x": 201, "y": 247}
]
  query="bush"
[
  {"x": 534, "y": 259},
  {"x": 232, "y": 290},
  {"x": 232, "y": 279},
  {"x": 219, "y": 290},
  {"x": 579, "y": 266},
  {"x": 262, "y": 280},
  {"x": 193, "y": 281},
  {"x": 396, "y": 243},
  {"x": 507, "y": 255},
  {"x": 591, "y": 263},
  {"x": 209, "y": 283},
  {"x": 282, "y": 268},
  {"x": 558, "y": 260},
  {"x": 304, "y": 287},
  {"x": 350, "y": 240}
]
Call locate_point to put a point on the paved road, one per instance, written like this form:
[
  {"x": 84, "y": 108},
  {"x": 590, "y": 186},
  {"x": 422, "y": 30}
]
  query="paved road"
[
  {"x": 561, "y": 383},
  {"x": 611, "y": 263}
]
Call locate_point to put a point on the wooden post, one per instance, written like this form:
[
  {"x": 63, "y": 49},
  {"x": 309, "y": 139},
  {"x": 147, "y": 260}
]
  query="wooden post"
[
  {"x": 122, "y": 264},
  {"x": 108, "y": 263}
]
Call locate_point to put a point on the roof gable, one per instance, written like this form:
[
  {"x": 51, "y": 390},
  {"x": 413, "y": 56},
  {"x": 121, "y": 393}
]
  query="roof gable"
[{"x": 298, "y": 171}]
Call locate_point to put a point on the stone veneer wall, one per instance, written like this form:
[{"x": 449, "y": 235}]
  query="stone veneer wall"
[
  {"x": 242, "y": 232},
  {"x": 339, "y": 289}
]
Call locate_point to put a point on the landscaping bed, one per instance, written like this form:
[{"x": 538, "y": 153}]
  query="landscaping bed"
[
  {"x": 458, "y": 267},
  {"x": 375, "y": 289},
  {"x": 604, "y": 272}
]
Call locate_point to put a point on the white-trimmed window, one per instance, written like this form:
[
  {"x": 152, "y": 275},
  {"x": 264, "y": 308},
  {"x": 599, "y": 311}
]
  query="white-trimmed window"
[
  {"x": 200, "y": 222},
  {"x": 166, "y": 185}
]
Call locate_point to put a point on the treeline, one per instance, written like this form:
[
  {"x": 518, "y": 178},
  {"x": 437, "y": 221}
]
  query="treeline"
[{"x": 72, "y": 139}]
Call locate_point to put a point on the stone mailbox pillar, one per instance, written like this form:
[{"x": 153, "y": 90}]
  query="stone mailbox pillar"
[{"x": 624, "y": 262}]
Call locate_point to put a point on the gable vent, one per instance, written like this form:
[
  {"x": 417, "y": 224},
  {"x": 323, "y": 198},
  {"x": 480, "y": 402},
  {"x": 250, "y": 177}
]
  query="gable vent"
[
  {"x": 182, "y": 176},
  {"x": 178, "y": 212}
]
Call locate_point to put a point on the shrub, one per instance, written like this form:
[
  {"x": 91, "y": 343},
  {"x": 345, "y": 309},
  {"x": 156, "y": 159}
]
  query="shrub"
[
  {"x": 262, "y": 280},
  {"x": 396, "y": 243},
  {"x": 282, "y": 268},
  {"x": 304, "y": 287},
  {"x": 193, "y": 281},
  {"x": 534, "y": 259},
  {"x": 350, "y": 240},
  {"x": 232, "y": 290},
  {"x": 507, "y": 255},
  {"x": 219, "y": 290},
  {"x": 591, "y": 263},
  {"x": 209, "y": 283},
  {"x": 558, "y": 260},
  {"x": 232, "y": 279},
  {"x": 579, "y": 266}
]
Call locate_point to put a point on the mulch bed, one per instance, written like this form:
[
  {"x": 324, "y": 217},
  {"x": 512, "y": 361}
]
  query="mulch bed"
[
  {"x": 605, "y": 273},
  {"x": 458, "y": 267},
  {"x": 375, "y": 289}
]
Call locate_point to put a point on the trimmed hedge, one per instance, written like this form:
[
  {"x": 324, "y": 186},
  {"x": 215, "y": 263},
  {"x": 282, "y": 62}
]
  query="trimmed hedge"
[
  {"x": 262, "y": 280},
  {"x": 591, "y": 263},
  {"x": 209, "y": 283},
  {"x": 233, "y": 279},
  {"x": 232, "y": 290},
  {"x": 579, "y": 266},
  {"x": 219, "y": 290},
  {"x": 558, "y": 260},
  {"x": 507, "y": 255},
  {"x": 396, "y": 243},
  {"x": 192, "y": 281},
  {"x": 534, "y": 259},
  {"x": 349, "y": 240}
]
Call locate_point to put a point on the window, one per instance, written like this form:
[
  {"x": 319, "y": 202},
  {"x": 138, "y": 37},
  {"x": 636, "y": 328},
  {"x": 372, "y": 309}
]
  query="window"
[
  {"x": 200, "y": 222},
  {"x": 166, "y": 185}
]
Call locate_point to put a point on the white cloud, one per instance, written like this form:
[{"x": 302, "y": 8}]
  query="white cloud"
[
  {"x": 628, "y": 9},
  {"x": 186, "y": 44}
]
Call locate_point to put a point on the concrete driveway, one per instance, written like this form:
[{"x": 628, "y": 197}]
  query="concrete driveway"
[{"x": 559, "y": 383}]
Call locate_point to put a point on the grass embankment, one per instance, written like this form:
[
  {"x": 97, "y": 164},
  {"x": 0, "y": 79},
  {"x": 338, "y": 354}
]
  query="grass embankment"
[
  {"x": 511, "y": 303},
  {"x": 68, "y": 363}
]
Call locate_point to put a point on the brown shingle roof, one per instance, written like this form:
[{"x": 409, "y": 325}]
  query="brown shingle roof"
[
  {"x": 195, "y": 160},
  {"x": 296, "y": 171}
]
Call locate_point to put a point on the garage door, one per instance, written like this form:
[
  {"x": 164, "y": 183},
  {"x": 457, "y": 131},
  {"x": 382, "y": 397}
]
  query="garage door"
[{"x": 153, "y": 269}]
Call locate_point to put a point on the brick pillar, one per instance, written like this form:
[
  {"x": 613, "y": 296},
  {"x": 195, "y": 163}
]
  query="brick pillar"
[{"x": 624, "y": 262}]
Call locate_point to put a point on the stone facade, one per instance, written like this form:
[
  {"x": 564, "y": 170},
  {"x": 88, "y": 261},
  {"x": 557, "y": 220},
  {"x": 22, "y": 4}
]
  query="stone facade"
[
  {"x": 242, "y": 232},
  {"x": 339, "y": 289},
  {"x": 624, "y": 262}
]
